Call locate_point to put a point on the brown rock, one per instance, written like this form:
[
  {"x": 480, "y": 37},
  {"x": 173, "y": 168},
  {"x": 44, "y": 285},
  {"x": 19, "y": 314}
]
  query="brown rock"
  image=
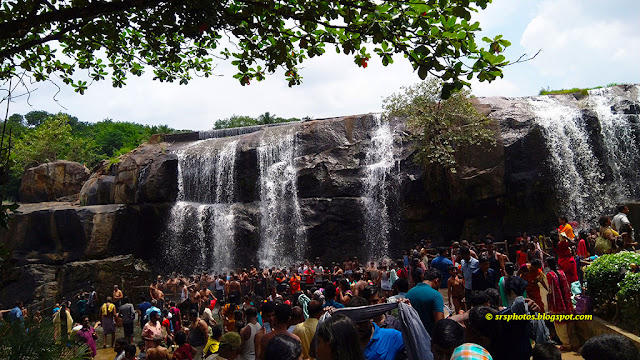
[{"x": 52, "y": 181}]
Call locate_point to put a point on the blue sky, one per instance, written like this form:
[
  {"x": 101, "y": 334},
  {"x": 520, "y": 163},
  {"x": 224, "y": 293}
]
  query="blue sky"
[{"x": 584, "y": 43}]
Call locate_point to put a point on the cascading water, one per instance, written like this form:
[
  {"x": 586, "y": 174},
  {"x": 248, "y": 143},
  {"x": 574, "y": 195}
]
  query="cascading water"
[
  {"x": 202, "y": 222},
  {"x": 379, "y": 163},
  {"x": 620, "y": 138},
  {"x": 282, "y": 236},
  {"x": 575, "y": 167},
  {"x": 589, "y": 185}
]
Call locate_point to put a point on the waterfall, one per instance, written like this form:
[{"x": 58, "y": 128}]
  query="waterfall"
[
  {"x": 575, "y": 168},
  {"x": 282, "y": 236},
  {"x": 379, "y": 162},
  {"x": 201, "y": 229},
  {"x": 620, "y": 137},
  {"x": 589, "y": 185}
]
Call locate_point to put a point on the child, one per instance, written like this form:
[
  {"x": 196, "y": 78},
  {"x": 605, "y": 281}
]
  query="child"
[
  {"x": 142, "y": 355},
  {"x": 456, "y": 289}
]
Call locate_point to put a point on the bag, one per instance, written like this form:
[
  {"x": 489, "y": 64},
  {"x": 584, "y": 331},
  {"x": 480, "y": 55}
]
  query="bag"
[
  {"x": 603, "y": 246},
  {"x": 584, "y": 305}
]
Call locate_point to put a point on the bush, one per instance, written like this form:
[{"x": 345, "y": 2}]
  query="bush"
[
  {"x": 605, "y": 274},
  {"x": 610, "y": 282}
]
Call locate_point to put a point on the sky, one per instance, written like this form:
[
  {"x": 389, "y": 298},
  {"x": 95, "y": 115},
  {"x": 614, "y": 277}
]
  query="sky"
[{"x": 583, "y": 43}]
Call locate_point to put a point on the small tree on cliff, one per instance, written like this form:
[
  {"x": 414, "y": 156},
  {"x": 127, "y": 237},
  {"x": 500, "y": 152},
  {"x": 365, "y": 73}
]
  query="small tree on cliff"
[{"x": 439, "y": 126}]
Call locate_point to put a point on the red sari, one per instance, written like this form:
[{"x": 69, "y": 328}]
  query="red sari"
[
  {"x": 533, "y": 289},
  {"x": 566, "y": 261},
  {"x": 559, "y": 297}
]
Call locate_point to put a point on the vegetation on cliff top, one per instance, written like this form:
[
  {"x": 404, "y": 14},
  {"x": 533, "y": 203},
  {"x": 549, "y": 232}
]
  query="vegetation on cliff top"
[{"x": 580, "y": 91}]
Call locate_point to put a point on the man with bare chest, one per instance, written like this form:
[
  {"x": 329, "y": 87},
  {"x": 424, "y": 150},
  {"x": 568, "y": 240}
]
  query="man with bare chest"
[{"x": 235, "y": 291}]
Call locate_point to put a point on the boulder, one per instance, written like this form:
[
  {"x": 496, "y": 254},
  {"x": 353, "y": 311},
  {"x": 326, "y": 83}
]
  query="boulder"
[
  {"x": 52, "y": 181},
  {"x": 148, "y": 174}
]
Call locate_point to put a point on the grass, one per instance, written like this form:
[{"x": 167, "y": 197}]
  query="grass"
[{"x": 580, "y": 91}]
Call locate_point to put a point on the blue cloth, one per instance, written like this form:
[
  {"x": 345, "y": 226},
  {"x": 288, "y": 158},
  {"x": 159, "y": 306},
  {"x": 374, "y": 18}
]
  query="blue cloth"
[
  {"x": 426, "y": 301},
  {"x": 442, "y": 264},
  {"x": 334, "y": 304},
  {"x": 150, "y": 310},
  {"x": 468, "y": 267},
  {"x": 143, "y": 307},
  {"x": 481, "y": 283},
  {"x": 385, "y": 344},
  {"x": 15, "y": 315}
]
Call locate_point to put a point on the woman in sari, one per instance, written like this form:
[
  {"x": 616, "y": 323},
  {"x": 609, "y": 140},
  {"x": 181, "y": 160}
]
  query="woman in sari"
[
  {"x": 563, "y": 243},
  {"x": 559, "y": 300},
  {"x": 534, "y": 276}
]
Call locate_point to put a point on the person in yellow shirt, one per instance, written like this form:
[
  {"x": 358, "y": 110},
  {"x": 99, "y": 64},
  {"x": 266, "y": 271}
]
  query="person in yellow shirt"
[
  {"x": 108, "y": 313},
  {"x": 307, "y": 329},
  {"x": 214, "y": 341}
]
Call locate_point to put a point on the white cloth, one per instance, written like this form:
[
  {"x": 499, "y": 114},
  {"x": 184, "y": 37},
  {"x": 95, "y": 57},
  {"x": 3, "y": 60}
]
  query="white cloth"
[
  {"x": 619, "y": 220},
  {"x": 468, "y": 267},
  {"x": 248, "y": 350}
]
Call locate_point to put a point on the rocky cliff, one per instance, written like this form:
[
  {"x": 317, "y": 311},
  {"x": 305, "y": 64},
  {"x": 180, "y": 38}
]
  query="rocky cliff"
[{"x": 167, "y": 201}]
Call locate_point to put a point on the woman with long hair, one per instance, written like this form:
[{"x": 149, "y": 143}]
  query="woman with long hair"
[
  {"x": 559, "y": 300},
  {"x": 338, "y": 340}
]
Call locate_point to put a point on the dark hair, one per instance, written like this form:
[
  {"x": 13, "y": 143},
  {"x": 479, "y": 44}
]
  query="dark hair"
[
  {"x": 609, "y": 346},
  {"x": 479, "y": 323},
  {"x": 564, "y": 218},
  {"x": 130, "y": 349},
  {"x": 341, "y": 334},
  {"x": 465, "y": 251},
  {"x": 494, "y": 297},
  {"x": 442, "y": 250},
  {"x": 181, "y": 338},
  {"x": 509, "y": 268},
  {"x": 432, "y": 274},
  {"x": 402, "y": 285},
  {"x": 216, "y": 332},
  {"x": 357, "y": 301},
  {"x": 251, "y": 313},
  {"x": 516, "y": 284},
  {"x": 552, "y": 263},
  {"x": 448, "y": 334},
  {"x": 483, "y": 259},
  {"x": 536, "y": 262},
  {"x": 546, "y": 352},
  {"x": 620, "y": 208},
  {"x": 282, "y": 313},
  {"x": 268, "y": 307},
  {"x": 603, "y": 220},
  {"x": 314, "y": 308},
  {"x": 121, "y": 341},
  {"x": 330, "y": 292},
  {"x": 282, "y": 347},
  {"x": 125, "y": 300},
  {"x": 193, "y": 312},
  {"x": 478, "y": 298}
]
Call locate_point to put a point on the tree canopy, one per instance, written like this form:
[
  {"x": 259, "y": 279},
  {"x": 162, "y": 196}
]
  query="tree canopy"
[{"x": 82, "y": 41}]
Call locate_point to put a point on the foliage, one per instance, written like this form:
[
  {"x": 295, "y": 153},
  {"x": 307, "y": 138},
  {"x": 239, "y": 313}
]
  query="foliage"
[
  {"x": 629, "y": 298},
  {"x": 581, "y": 91},
  {"x": 50, "y": 141},
  {"x": 439, "y": 126},
  {"x": 36, "y": 344},
  {"x": 241, "y": 121},
  {"x": 85, "y": 41},
  {"x": 604, "y": 275},
  {"x": 64, "y": 137}
]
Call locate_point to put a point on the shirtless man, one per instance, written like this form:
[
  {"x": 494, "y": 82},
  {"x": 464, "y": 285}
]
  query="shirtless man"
[
  {"x": 496, "y": 259},
  {"x": 465, "y": 243},
  {"x": 235, "y": 291},
  {"x": 195, "y": 298},
  {"x": 280, "y": 323},
  {"x": 348, "y": 266},
  {"x": 360, "y": 284},
  {"x": 157, "y": 294},
  {"x": 206, "y": 296}
]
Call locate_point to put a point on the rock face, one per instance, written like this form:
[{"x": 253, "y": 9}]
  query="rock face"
[
  {"x": 52, "y": 181},
  {"x": 145, "y": 175}
]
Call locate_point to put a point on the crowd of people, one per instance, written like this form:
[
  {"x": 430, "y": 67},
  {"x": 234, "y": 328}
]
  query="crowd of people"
[{"x": 433, "y": 303}]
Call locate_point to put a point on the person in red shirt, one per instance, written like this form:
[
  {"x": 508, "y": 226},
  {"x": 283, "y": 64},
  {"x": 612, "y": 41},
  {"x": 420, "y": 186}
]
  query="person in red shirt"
[{"x": 294, "y": 282}]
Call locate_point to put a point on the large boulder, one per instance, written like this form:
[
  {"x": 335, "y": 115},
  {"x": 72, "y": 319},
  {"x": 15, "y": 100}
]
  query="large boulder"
[
  {"x": 148, "y": 174},
  {"x": 52, "y": 181}
]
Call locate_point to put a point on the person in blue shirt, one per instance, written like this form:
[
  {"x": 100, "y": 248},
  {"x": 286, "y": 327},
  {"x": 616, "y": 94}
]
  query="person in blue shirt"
[
  {"x": 377, "y": 343},
  {"x": 15, "y": 315},
  {"x": 427, "y": 300},
  {"x": 142, "y": 310},
  {"x": 330, "y": 297},
  {"x": 468, "y": 265},
  {"x": 441, "y": 263}
]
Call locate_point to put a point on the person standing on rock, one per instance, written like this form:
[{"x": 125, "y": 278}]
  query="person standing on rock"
[
  {"x": 157, "y": 294},
  {"x": 117, "y": 296},
  {"x": 92, "y": 302},
  {"x": 108, "y": 313}
]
